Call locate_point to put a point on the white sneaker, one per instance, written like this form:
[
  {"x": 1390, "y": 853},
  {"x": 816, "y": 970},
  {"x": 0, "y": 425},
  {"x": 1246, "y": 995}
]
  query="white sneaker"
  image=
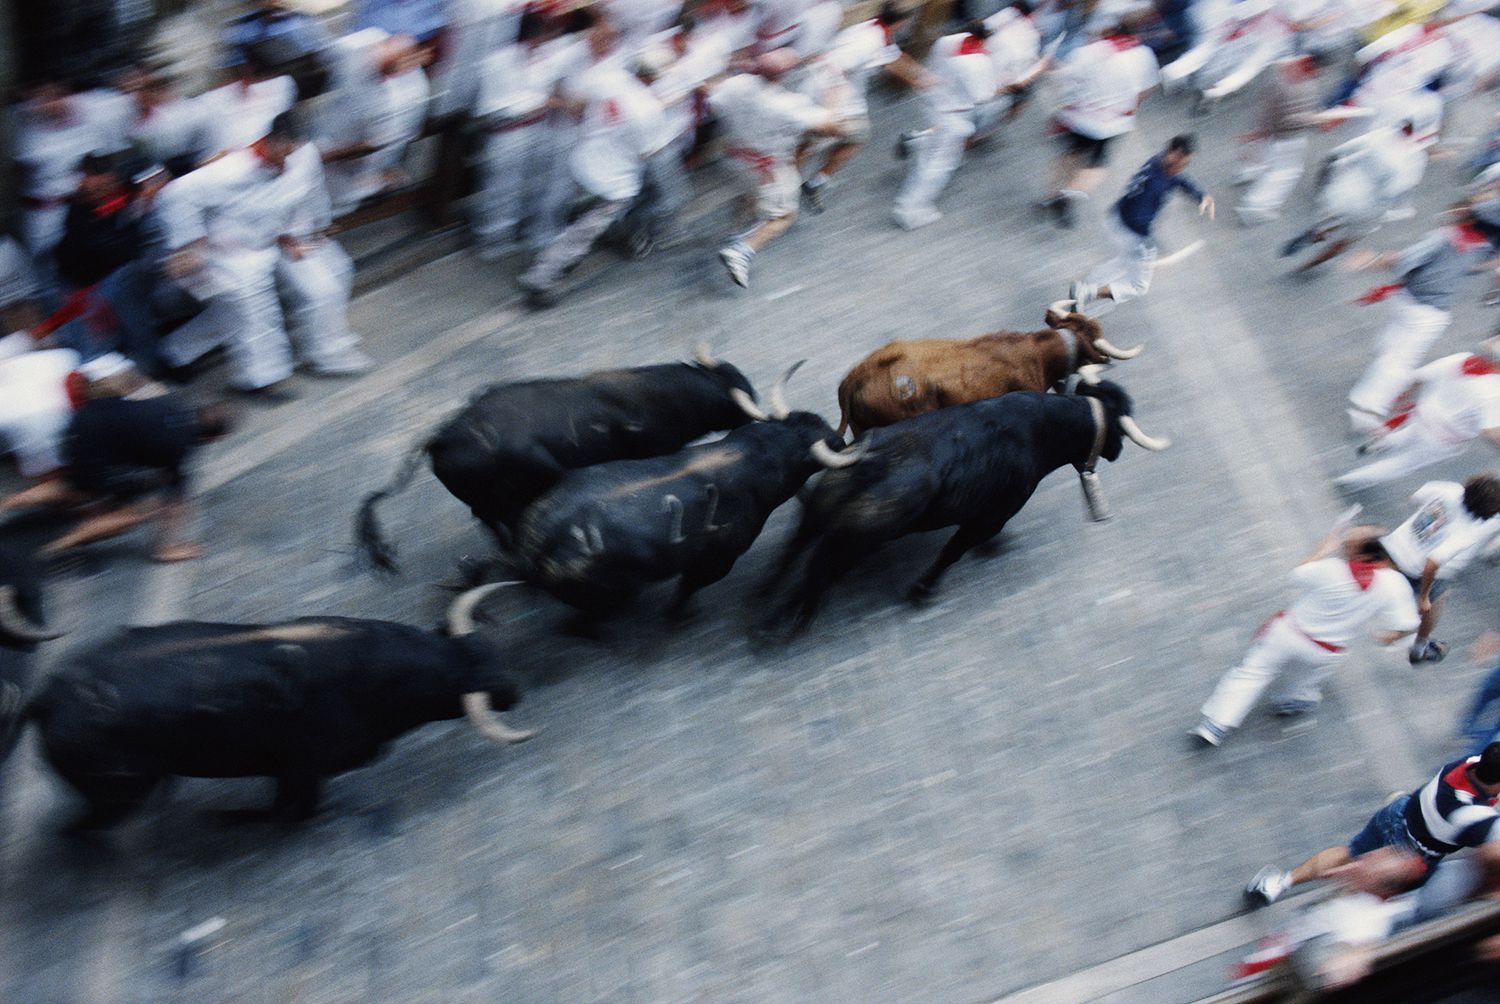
[
  {"x": 1083, "y": 294},
  {"x": 1268, "y": 886},
  {"x": 1209, "y": 732},
  {"x": 736, "y": 259},
  {"x": 911, "y": 219},
  {"x": 1362, "y": 420},
  {"x": 1251, "y": 216}
]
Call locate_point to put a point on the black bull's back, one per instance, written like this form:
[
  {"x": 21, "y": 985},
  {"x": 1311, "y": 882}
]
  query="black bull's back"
[
  {"x": 315, "y": 696},
  {"x": 605, "y": 532}
]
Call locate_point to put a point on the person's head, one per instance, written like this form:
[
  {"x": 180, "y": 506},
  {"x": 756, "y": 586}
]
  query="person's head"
[
  {"x": 215, "y": 421},
  {"x": 977, "y": 28},
  {"x": 893, "y": 14},
  {"x": 536, "y": 27},
  {"x": 284, "y": 138},
  {"x": 1487, "y": 768},
  {"x": 1025, "y": 8},
  {"x": 603, "y": 37},
  {"x": 1482, "y": 496},
  {"x": 398, "y": 55},
  {"x": 102, "y": 179},
  {"x": 52, "y": 99},
  {"x": 1363, "y": 544},
  {"x": 1179, "y": 151},
  {"x": 651, "y": 62}
]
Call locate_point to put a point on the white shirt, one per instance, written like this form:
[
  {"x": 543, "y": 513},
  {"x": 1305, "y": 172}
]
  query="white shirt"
[
  {"x": 622, "y": 126},
  {"x": 1103, "y": 84},
  {"x": 475, "y": 29},
  {"x": 34, "y": 407},
  {"x": 764, "y": 117},
  {"x": 236, "y": 115},
  {"x": 1441, "y": 530},
  {"x": 1457, "y": 405},
  {"x": 964, "y": 70},
  {"x": 173, "y": 128},
  {"x": 1393, "y": 163},
  {"x": 705, "y": 56},
  {"x": 240, "y": 204},
  {"x": 1334, "y": 605},
  {"x": 820, "y": 26},
  {"x": 1015, "y": 43},
  {"x": 514, "y": 82},
  {"x": 779, "y": 22},
  {"x": 48, "y": 152},
  {"x": 859, "y": 50}
]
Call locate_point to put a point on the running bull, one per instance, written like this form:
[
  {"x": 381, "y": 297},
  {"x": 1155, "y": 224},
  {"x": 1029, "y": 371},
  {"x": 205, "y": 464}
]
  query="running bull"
[
  {"x": 297, "y": 702},
  {"x": 513, "y": 442},
  {"x": 909, "y": 378},
  {"x": 972, "y": 466},
  {"x": 605, "y": 533}
]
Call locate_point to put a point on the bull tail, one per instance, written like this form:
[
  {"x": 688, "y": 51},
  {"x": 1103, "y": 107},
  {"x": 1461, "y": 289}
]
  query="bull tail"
[{"x": 372, "y": 542}]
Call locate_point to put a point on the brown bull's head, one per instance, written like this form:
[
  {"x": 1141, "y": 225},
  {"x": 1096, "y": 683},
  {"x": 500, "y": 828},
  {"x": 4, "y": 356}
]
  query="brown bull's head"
[{"x": 1093, "y": 347}]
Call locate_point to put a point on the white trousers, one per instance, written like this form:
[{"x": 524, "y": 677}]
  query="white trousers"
[
  {"x": 1409, "y": 332},
  {"x": 242, "y": 314},
  {"x": 514, "y": 179},
  {"x": 1128, "y": 273},
  {"x": 1280, "y": 169},
  {"x": 316, "y": 290},
  {"x": 1279, "y": 646},
  {"x": 936, "y": 156},
  {"x": 1413, "y": 446}
]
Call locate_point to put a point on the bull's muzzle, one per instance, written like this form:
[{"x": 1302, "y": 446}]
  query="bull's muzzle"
[{"x": 477, "y": 708}]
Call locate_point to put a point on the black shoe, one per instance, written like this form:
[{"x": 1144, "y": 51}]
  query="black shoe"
[
  {"x": 276, "y": 393},
  {"x": 1063, "y": 213},
  {"x": 904, "y": 142},
  {"x": 814, "y": 195},
  {"x": 1296, "y": 244},
  {"x": 1434, "y": 651}
]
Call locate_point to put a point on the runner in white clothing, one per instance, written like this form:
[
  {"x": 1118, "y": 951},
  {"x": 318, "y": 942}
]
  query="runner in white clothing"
[
  {"x": 1103, "y": 84},
  {"x": 1457, "y": 400},
  {"x": 1348, "y": 581},
  {"x": 764, "y": 124},
  {"x": 842, "y": 78},
  {"x": 1452, "y": 523}
]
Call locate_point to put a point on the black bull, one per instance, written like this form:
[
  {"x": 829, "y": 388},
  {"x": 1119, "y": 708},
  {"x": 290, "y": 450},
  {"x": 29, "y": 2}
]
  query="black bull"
[
  {"x": 22, "y": 623},
  {"x": 972, "y": 466},
  {"x": 298, "y": 702},
  {"x": 606, "y": 532},
  {"x": 513, "y": 442}
]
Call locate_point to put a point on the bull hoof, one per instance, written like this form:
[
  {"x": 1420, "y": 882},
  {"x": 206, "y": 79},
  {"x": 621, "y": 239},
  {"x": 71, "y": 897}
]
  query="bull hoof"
[{"x": 919, "y": 595}]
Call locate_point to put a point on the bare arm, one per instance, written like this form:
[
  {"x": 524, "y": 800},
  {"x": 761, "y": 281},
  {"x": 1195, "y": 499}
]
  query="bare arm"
[
  {"x": 910, "y": 72},
  {"x": 1424, "y": 597}
]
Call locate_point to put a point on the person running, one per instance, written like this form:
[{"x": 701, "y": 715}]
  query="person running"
[
  {"x": 1345, "y": 583},
  {"x": 1127, "y": 276},
  {"x": 1454, "y": 810}
]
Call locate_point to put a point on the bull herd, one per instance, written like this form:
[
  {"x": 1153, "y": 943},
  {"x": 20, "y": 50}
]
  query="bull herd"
[{"x": 593, "y": 493}]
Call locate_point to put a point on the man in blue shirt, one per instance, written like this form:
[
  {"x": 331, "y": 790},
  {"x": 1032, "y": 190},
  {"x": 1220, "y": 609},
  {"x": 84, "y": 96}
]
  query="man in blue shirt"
[{"x": 1128, "y": 274}]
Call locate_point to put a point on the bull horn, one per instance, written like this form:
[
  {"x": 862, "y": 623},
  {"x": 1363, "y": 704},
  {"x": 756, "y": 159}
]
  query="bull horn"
[
  {"x": 836, "y": 459},
  {"x": 482, "y": 716},
  {"x": 461, "y": 610},
  {"x": 748, "y": 405},
  {"x": 1114, "y": 351},
  {"x": 1139, "y": 438},
  {"x": 17, "y": 625},
  {"x": 1062, "y": 306},
  {"x": 704, "y": 356},
  {"x": 779, "y": 410},
  {"x": 1089, "y": 373}
]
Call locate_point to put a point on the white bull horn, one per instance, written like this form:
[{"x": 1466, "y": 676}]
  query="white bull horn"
[
  {"x": 1089, "y": 374},
  {"x": 779, "y": 409},
  {"x": 1114, "y": 351},
  {"x": 704, "y": 356},
  {"x": 1139, "y": 438},
  {"x": 836, "y": 459},
  {"x": 1062, "y": 306},
  {"x": 748, "y": 406},
  {"x": 481, "y": 715},
  {"x": 461, "y": 610},
  {"x": 17, "y": 625}
]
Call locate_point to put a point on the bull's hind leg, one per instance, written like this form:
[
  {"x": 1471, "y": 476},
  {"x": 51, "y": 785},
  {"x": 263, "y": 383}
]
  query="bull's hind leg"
[
  {"x": 829, "y": 562},
  {"x": 965, "y": 538},
  {"x": 297, "y": 797}
]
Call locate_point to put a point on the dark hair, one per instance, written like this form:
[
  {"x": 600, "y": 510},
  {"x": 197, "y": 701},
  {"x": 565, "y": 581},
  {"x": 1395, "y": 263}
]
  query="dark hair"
[
  {"x": 1371, "y": 549},
  {"x": 1482, "y": 495},
  {"x": 977, "y": 28},
  {"x": 1024, "y": 7},
  {"x": 286, "y": 127},
  {"x": 533, "y": 25},
  {"x": 98, "y": 163},
  {"x": 892, "y": 12},
  {"x": 1183, "y": 143},
  {"x": 1487, "y": 770}
]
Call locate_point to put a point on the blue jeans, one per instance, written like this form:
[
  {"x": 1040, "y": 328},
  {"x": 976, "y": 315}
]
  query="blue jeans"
[
  {"x": 1387, "y": 828},
  {"x": 1482, "y": 724}
]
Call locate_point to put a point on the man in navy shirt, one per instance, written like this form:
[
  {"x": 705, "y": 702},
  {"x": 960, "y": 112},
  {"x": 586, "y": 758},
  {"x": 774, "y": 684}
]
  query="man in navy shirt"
[{"x": 1128, "y": 274}]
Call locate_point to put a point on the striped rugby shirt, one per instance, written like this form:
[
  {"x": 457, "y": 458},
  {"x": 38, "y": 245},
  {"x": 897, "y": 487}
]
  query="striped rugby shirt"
[{"x": 1449, "y": 812}]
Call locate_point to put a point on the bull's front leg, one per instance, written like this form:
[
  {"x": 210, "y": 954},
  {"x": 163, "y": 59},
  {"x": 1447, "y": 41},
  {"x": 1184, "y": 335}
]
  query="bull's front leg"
[{"x": 958, "y": 545}]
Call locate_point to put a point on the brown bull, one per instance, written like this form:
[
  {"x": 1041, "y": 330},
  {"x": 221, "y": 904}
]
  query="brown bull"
[{"x": 903, "y": 379}]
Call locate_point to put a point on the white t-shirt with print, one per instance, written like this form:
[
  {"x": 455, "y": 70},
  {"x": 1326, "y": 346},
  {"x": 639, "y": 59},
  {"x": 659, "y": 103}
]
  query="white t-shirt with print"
[{"x": 1441, "y": 530}]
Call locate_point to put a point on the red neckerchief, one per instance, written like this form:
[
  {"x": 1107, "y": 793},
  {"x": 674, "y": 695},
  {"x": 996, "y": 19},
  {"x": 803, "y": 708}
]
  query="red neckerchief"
[
  {"x": 1467, "y": 237},
  {"x": 258, "y": 150},
  {"x": 1376, "y": 294},
  {"x": 109, "y": 207},
  {"x": 972, "y": 45},
  {"x": 886, "y": 29},
  {"x": 1478, "y": 366},
  {"x": 1122, "y": 43},
  {"x": 1363, "y": 572}
]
